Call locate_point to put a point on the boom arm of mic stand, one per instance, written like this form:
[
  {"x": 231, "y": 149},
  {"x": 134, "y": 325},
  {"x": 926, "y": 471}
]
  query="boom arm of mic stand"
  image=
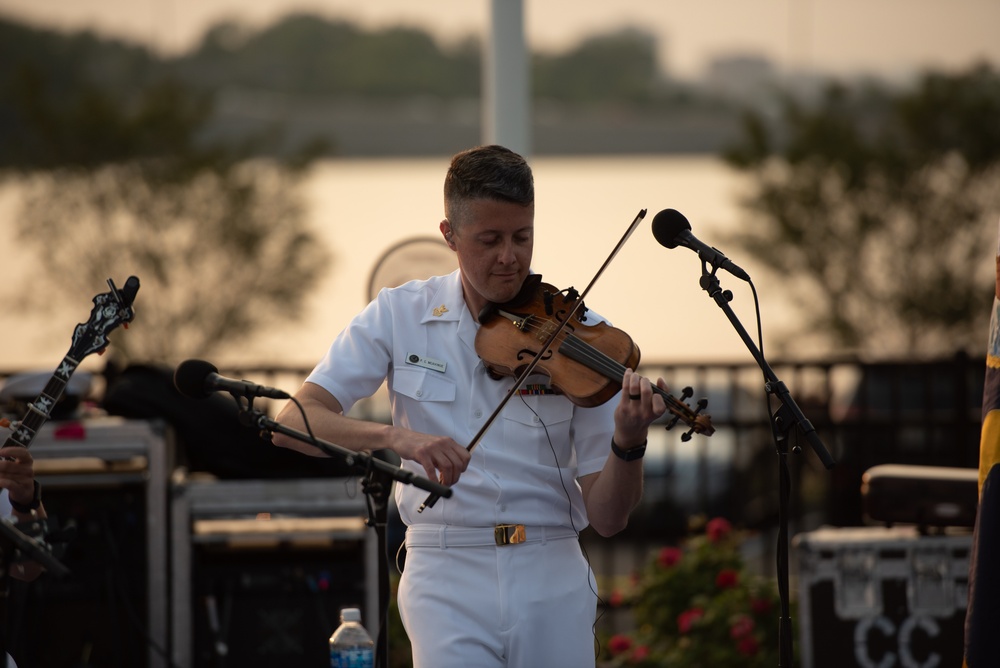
[
  {"x": 359, "y": 461},
  {"x": 710, "y": 283}
]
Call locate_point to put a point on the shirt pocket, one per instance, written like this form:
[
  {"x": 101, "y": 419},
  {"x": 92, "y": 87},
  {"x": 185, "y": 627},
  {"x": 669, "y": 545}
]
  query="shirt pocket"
[
  {"x": 421, "y": 385},
  {"x": 538, "y": 428}
]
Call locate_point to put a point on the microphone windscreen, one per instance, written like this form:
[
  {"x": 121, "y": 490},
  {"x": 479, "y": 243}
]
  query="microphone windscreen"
[
  {"x": 189, "y": 378},
  {"x": 667, "y": 226}
]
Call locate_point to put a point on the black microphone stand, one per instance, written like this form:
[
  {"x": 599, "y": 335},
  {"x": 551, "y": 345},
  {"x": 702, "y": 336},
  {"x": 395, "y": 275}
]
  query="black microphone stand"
[
  {"x": 377, "y": 487},
  {"x": 784, "y": 419},
  {"x": 378, "y": 477}
]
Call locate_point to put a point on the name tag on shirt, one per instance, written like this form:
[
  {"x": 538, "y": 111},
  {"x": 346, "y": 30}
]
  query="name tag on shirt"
[{"x": 426, "y": 362}]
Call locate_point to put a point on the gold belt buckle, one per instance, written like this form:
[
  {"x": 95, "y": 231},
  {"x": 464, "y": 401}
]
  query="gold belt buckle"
[{"x": 509, "y": 534}]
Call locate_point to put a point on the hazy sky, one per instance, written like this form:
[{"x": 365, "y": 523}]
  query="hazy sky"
[{"x": 841, "y": 36}]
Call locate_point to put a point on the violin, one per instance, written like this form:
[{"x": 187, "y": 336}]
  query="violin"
[{"x": 586, "y": 362}]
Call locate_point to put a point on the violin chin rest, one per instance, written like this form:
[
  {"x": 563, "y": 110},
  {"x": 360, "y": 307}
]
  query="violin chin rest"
[{"x": 487, "y": 313}]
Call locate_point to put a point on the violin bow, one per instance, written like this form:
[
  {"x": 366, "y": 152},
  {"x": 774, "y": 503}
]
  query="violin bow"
[{"x": 519, "y": 381}]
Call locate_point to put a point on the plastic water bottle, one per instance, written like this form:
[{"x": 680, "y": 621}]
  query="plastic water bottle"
[{"x": 350, "y": 644}]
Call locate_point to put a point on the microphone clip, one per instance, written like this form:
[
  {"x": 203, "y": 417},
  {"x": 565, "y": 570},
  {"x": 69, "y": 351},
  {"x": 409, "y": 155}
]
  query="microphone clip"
[{"x": 709, "y": 282}]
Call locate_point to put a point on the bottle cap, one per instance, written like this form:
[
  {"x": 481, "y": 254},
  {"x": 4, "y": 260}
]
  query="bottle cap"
[{"x": 350, "y": 615}]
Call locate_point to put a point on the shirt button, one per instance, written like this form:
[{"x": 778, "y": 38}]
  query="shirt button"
[
  {"x": 478, "y": 414},
  {"x": 420, "y": 393},
  {"x": 535, "y": 419},
  {"x": 503, "y": 508}
]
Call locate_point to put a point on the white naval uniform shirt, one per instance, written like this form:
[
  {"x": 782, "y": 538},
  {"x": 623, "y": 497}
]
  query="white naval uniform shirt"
[{"x": 421, "y": 338}]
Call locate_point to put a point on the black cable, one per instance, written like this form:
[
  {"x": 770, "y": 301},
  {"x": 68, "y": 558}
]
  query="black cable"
[{"x": 572, "y": 524}]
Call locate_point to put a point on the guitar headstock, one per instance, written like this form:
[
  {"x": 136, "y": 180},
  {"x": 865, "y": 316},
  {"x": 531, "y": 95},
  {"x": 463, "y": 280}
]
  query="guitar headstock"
[{"x": 111, "y": 309}]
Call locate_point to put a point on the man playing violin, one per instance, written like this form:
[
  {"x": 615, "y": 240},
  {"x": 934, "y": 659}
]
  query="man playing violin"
[{"x": 494, "y": 575}]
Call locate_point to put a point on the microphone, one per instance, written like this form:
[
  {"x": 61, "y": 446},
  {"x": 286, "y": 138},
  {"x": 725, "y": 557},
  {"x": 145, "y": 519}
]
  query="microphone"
[
  {"x": 672, "y": 229},
  {"x": 197, "y": 379}
]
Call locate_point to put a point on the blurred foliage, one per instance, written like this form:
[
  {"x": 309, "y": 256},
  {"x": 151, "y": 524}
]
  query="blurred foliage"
[
  {"x": 116, "y": 177},
  {"x": 309, "y": 55},
  {"x": 221, "y": 252},
  {"x": 617, "y": 66},
  {"x": 313, "y": 57},
  {"x": 881, "y": 206},
  {"x": 696, "y": 605}
]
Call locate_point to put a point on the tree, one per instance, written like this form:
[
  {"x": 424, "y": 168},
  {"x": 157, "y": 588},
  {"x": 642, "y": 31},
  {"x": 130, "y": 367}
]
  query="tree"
[
  {"x": 618, "y": 66},
  {"x": 216, "y": 237},
  {"x": 881, "y": 207},
  {"x": 219, "y": 255}
]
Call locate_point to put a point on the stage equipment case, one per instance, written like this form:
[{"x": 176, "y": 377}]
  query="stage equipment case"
[
  {"x": 879, "y": 597},
  {"x": 261, "y": 568},
  {"x": 108, "y": 477}
]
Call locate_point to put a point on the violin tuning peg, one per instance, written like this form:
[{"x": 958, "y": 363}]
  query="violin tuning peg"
[
  {"x": 670, "y": 425},
  {"x": 687, "y": 393},
  {"x": 547, "y": 298},
  {"x": 702, "y": 404},
  {"x": 686, "y": 436}
]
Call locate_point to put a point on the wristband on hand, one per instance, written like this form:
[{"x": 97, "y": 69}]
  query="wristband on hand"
[
  {"x": 26, "y": 508},
  {"x": 631, "y": 454}
]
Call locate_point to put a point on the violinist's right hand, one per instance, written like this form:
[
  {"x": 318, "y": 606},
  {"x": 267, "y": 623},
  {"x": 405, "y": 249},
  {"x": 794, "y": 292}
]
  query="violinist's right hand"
[{"x": 443, "y": 459}]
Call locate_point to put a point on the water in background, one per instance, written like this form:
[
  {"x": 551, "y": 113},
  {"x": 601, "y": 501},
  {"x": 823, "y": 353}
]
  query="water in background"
[{"x": 362, "y": 208}]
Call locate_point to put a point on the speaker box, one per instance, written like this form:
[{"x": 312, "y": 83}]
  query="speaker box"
[
  {"x": 262, "y": 568},
  {"x": 878, "y": 596},
  {"x": 273, "y": 606}
]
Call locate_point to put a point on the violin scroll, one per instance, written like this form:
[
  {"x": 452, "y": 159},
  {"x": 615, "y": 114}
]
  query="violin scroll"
[{"x": 697, "y": 422}]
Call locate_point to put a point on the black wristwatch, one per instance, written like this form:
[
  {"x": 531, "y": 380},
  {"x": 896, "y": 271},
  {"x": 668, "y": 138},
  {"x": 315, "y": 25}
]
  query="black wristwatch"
[
  {"x": 26, "y": 508},
  {"x": 631, "y": 454}
]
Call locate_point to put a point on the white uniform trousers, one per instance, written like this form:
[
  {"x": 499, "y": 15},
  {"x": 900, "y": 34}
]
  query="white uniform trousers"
[{"x": 467, "y": 603}]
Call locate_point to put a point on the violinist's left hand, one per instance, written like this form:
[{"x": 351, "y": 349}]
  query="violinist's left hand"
[{"x": 637, "y": 407}]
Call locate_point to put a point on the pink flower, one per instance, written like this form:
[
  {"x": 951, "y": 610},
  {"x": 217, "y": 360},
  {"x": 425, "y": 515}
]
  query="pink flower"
[
  {"x": 687, "y": 619},
  {"x": 748, "y": 646},
  {"x": 760, "y": 606},
  {"x": 727, "y": 579},
  {"x": 742, "y": 627},
  {"x": 669, "y": 556},
  {"x": 616, "y": 598},
  {"x": 640, "y": 653},
  {"x": 717, "y": 529},
  {"x": 619, "y": 643}
]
